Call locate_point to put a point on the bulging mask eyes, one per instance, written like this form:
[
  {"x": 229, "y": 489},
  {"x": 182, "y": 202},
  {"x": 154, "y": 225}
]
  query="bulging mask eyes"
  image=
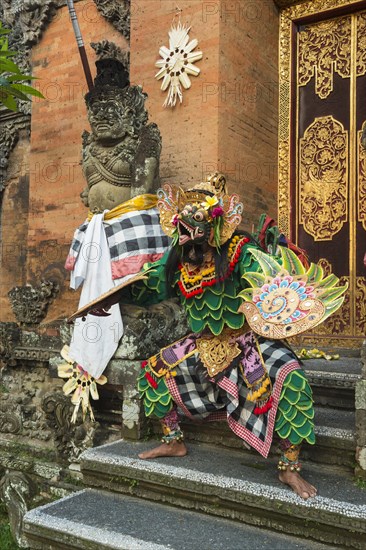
[
  {"x": 198, "y": 216},
  {"x": 187, "y": 211}
]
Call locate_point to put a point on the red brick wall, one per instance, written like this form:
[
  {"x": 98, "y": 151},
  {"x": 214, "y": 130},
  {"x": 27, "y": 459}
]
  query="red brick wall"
[
  {"x": 190, "y": 129},
  {"x": 248, "y": 103},
  {"x": 228, "y": 118}
]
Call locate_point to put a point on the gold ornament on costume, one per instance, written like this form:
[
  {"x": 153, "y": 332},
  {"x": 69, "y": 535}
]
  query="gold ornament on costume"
[
  {"x": 286, "y": 299},
  {"x": 218, "y": 352}
]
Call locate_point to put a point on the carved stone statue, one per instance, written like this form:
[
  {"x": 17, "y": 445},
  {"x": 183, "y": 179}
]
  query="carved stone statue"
[{"x": 121, "y": 155}]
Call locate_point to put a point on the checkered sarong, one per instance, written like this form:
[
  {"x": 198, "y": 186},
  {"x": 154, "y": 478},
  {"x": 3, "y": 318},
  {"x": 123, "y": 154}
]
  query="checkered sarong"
[
  {"x": 201, "y": 397},
  {"x": 134, "y": 239}
]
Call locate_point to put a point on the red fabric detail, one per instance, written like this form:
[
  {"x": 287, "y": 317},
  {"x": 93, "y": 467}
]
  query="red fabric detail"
[
  {"x": 172, "y": 386},
  {"x": 229, "y": 387},
  {"x": 151, "y": 381},
  {"x": 143, "y": 364},
  {"x": 70, "y": 263},
  {"x": 263, "y": 447},
  {"x": 132, "y": 264},
  {"x": 268, "y": 222},
  {"x": 265, "y": 408}
]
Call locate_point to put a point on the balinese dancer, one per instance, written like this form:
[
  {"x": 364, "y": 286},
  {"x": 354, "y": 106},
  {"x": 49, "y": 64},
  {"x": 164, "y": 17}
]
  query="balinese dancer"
[{"x": 226, "y": 368}]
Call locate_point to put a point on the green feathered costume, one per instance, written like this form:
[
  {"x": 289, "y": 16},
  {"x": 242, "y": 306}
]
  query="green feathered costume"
[
  {"x": 177, "y": 375},
  {"x": 224, "y": 369}
]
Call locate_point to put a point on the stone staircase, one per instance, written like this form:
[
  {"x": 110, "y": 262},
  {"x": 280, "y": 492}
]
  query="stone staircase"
[{"x": 220, "y": 495}]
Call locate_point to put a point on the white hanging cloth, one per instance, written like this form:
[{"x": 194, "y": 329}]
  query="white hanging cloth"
[{"x": 96, "y": 339}]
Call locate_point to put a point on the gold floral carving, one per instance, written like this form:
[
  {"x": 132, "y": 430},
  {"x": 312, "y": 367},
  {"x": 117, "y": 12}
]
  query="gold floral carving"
[
  {"x": 284, "y": 188},
  {"x": 315, "y": 6},
  {"x": 324, "y": 47},
  {"x": 361, "y": 306},
  {"x": 361, "y": 189},
  {"x": 326, "y": 266},
  {"x": 361, "y": 44},
  {"x": 323, "y": 178}
]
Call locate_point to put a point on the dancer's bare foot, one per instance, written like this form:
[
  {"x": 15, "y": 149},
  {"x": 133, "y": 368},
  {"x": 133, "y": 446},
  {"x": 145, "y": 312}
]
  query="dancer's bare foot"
[
  {"x": 297, "y": 484},
  {"x": 175, "y": 448}
]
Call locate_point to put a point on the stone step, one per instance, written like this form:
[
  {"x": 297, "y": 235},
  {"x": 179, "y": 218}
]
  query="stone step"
[
  {"x": 97, "y": 520},
  {"x": 333, "y": 382},
  {"x": 230, "y": 484},
  {"x": 334, "y": 428}
]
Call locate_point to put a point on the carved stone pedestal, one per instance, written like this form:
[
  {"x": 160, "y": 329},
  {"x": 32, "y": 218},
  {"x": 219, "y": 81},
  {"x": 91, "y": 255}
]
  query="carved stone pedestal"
[
  {"x": 147, "y": 330},
  {"x": 360, "y": 402}
]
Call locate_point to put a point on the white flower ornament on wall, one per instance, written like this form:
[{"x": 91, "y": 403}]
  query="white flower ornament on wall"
[{"x": 177, "y": 63}]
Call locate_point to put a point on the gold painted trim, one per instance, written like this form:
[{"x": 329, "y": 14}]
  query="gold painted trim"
[
  {"x": 317, "y": 6},
  {"x": 361, "y": 180},
  {"x": 353, "y": 173}
]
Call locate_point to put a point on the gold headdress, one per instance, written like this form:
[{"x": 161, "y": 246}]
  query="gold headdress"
[{"x": 224, "y": 210}]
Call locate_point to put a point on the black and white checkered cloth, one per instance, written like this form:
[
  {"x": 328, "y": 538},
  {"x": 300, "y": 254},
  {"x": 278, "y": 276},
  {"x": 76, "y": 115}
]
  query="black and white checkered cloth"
[
  {"x": 134, "y": 239},
  {"x": 200, "y": 397}
]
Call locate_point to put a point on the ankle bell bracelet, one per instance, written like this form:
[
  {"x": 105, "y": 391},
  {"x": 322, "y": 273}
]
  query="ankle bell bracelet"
[{"x": 292, "y": 466}]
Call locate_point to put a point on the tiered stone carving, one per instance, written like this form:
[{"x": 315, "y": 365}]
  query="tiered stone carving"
[
  {"x": 116, "y": 12},
  {"x": 70, "y": 439},
  {"x": 30, "y": 303},
  {"x": 8, "y": 137}
]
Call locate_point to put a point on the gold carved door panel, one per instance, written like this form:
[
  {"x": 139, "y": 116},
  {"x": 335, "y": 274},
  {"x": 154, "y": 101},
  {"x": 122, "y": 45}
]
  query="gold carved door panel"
[{"x": 322, "y": 169}]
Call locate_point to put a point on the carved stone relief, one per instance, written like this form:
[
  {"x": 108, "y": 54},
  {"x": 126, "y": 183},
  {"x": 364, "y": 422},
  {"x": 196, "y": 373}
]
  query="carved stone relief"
[
  {"x": 118, "y": 13},
  {"x": 70, "y": 440},
  {"x": 30, "y": 303},
  {"x": 20, "y": 413},
  {"x": 31, "y": 16},
  {"x": 9, "y": 335},
  {"x": 8, "y": 138}
]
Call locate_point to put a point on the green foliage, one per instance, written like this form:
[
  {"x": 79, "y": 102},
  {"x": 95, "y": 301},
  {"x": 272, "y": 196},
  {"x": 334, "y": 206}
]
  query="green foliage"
[
  {"x": 12, "y": 80},
  {"x": 360, "y": 483},
  {"x": 6, "y": 539}
]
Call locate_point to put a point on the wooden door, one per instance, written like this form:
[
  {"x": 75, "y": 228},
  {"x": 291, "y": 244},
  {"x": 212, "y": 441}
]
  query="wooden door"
[{"x": 326, "y": 172}]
